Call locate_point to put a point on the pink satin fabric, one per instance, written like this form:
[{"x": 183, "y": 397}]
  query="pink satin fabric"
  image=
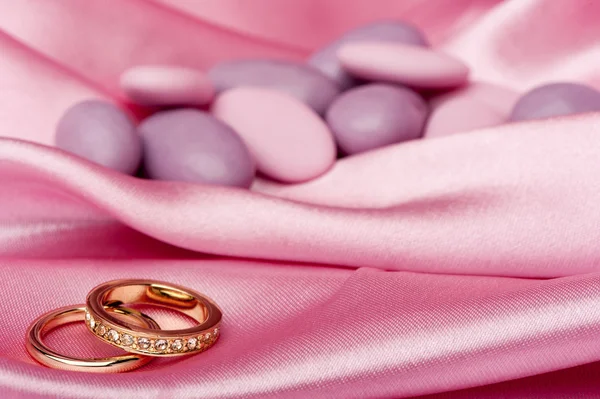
[{"x": 456, "y": 267}]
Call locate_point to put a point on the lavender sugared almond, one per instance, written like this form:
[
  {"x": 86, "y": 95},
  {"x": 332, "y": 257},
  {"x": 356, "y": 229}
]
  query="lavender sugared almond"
[
  {"x": 376, "y": 115},
  {"x": 296, "y": 79},
  {"x": 101, "y": 132},
  {"x": 192, "y": 146},
  {"x": 556, "y": 99}
]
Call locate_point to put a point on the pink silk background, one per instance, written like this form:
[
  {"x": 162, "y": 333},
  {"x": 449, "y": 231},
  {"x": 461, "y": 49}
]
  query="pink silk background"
[{"x": 458, "y": 267}]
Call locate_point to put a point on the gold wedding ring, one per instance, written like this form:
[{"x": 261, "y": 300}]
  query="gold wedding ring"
[
  {"x": 152, "y": 341},
  {"x": 106, "y": 317},
  {"x": 49, "y": 357}
]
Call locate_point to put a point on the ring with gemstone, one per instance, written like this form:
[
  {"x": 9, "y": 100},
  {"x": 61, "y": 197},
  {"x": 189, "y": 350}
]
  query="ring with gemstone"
[
  {"x": 152, "y": 341},
  {"x": 69, "y": 314}
]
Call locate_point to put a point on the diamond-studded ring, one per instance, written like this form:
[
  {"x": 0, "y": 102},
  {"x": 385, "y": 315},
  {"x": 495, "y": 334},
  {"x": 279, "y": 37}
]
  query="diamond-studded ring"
[
  {"x": 69, "y": 314},
  {"x": 152, "y": 341}
]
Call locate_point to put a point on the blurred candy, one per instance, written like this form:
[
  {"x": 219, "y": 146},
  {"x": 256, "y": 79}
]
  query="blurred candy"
[
  {"x": 100, "y": 132},
  {"x": 296, "y": 79},
  {"x": 556, "y": 99},
  {"x": 288, "y": 140},
  {"x": 478, "y": 105},
  {"x": 461, "y": 115},
  {"x": 400, "y": 63},
  {"x": 166, "y": 85},
  {"x": 376, "y": 115},
  {"x": 191, "y": 145},
  {"x": 326, "y": 59}
]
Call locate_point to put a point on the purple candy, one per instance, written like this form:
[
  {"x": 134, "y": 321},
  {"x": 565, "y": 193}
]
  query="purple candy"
[
  {"x": 100, "y": 132},
  {"x": 296, "y": 79},
  {"x": 326, "y": 60},
  {"x": 556, "y": 99},
  {"x": 193, "y": 146},
  {"x": 376, "y": 115}
]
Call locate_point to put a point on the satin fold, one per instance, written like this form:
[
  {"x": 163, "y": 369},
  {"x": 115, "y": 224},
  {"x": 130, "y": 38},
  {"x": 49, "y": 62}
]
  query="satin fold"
[
  {"x": 443, "y": 218},
  {"x": 455, "y": 267},
  {"x": 141, "y": 32},
  {"x": 366, "y": 333}
]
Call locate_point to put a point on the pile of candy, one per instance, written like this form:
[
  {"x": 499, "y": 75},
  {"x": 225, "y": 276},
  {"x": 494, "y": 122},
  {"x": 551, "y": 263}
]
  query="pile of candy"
[{"x": 377, "y": 85}]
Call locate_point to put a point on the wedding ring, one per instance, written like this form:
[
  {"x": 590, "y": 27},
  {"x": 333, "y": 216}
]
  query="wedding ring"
[
  {"x": 152, "y": 341},
  {"x": 48, "y": 357}
]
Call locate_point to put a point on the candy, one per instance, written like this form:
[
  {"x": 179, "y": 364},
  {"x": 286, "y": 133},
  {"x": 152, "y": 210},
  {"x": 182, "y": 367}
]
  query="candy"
[
  {"x": 166, "y": 86},
  {"x": 556, "y": 99},
  {"x": 288, "y": 140},
  {"x": 102, "y": 133},
  {"x": 326, "y": 59},
  {"x": 296, "y": 79},
  {"x": 476, "y": 106},
  {"x": 400, "y": 63},
  {"x": 461, "y": 115},
  {"x": 375, "y": 115},
  {"x": 191, "y": 145}
]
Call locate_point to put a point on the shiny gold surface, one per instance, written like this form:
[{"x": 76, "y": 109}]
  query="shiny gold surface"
[
  {"x": 159, "y": 342},
  {"x": 49, "y": 357}
]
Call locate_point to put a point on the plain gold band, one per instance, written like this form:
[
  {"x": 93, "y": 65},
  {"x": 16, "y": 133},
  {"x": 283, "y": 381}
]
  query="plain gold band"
[
  {"x": 152, "y": 341},
  {"x": 69, "y": 314}
]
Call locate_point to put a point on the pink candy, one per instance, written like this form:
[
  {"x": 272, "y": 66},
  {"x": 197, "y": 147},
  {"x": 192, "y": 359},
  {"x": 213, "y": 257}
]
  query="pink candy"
[
  {"x": 478, "y": 105},
  {"x": 401, "y": 63},
  {"x": 166, "y": 86},
  {"x": 289, "y": 141},
  {"x": 287, "y": 117}
]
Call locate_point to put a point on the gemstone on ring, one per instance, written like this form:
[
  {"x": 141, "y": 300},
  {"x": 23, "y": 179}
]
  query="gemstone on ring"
[
  {"x": 101, "y": 330},
  {"x": 113, "y": 335},
  {"x": 143, "y": 343},
  {"x": 127, "y": 340},
  {"x": 160, "y": 345},
  {"x": 153, "y": 341},
  {"x": 177, "y": 345}
]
